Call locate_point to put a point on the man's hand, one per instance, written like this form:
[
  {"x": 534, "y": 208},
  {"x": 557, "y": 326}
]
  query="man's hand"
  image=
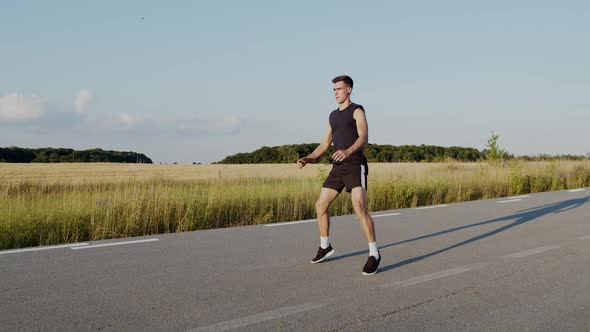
[
  {"x": 340, "y": 155},
  {"x": 303, "y": 161}
]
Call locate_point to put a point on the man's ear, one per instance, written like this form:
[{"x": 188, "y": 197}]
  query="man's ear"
[{"x": 349, "y": 90}]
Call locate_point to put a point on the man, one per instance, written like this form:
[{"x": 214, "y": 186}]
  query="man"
[{"x": 348, "y": 131}]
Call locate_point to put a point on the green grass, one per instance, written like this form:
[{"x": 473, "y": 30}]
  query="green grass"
[{"x": 42, "y": 205}]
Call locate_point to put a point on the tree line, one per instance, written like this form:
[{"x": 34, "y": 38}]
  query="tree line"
[
  {"x": 385, "y": 153},
  {"x": 373, "y": 152},
  {"x": 61, "y": 155}
]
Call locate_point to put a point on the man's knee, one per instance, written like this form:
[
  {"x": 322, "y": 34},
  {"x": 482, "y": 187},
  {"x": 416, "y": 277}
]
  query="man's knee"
[
  {"x": 359, "y": 206},
  {"x": 321, "y": 206}
]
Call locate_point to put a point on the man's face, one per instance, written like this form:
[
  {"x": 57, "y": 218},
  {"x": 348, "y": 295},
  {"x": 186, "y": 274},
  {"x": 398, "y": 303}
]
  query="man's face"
[{"x": 341, "y": 91}]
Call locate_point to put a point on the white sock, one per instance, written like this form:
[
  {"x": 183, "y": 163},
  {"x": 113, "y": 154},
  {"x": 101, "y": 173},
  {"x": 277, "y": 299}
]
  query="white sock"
[
  {"x": 324, "y": 242},
  {"x": 373, "y": 250}
]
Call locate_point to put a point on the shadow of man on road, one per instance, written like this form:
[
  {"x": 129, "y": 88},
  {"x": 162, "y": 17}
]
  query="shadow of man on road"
[{"x": 519, "y": 218}]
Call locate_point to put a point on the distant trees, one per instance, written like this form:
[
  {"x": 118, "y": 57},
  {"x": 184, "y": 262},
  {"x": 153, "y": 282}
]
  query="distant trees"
[
  {"x": 494, "y": 153},
  {"x": 389, "y": 153},
  {"x": 373, "y": 152},
  {"x": 547, "y": 157},
  {"x": 60, "y": 155},
  {"x": 16, "y": 155},
  {"x": 275, "y": 154}
]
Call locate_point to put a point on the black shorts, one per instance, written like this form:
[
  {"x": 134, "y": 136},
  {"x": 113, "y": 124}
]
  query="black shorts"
[{"x": 349, "y": 175}]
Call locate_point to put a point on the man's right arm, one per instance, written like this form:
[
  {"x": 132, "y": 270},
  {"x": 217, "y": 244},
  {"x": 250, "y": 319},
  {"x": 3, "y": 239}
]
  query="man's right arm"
[
  {"x": 323, "y": 147},
  {"x": 319, "y": 151}
]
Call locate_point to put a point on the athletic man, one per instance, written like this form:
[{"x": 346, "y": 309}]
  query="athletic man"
[{"x": 348, "y": 131}]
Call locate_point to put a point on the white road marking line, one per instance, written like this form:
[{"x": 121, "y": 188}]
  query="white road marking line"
[
  {"x": 521, "y": 196},
  {"x": 531, "y": 251},
  {"x": 431, "y": 207},
  {"x": 429, "y": 277},
  {"x": 290, "y": 223},
  {"x": 576, "y": 190},
  {"x": 12, "y": 251},
  {"x": 257, "y": 318},
  {"x": 114, "y": 244},
  {"x": 587, "y": 237},
  {"x": 509, "y": 200},
  {"x": 385, "y": 215},
  {"x": 476, "y": 266}
]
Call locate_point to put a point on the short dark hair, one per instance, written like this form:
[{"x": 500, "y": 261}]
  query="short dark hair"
[{"x": 344, "y": 78}]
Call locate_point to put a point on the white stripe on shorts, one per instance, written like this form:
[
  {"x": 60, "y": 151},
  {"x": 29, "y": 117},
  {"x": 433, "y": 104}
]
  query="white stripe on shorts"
[{"x": 363, "y": 184}]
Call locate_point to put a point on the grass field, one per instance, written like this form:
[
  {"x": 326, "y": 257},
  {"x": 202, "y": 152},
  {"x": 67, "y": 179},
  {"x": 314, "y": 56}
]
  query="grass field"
[{"x": 42, "y": 204}]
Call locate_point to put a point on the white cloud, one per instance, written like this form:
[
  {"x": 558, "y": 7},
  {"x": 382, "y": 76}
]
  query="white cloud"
[
  {"x": 173, "y": 125},
  {"x": 35, "y": 114},
  {"x": 84, "y": 96},
  {"x": 18, "y": 107},
  {"x": 207, "y": 126},
  {"x": 229, "y": 124},
  {"x": 127, "y": 120}
]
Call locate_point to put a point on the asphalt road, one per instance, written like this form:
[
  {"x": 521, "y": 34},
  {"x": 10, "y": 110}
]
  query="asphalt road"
[{"x": 502, "y": 264}]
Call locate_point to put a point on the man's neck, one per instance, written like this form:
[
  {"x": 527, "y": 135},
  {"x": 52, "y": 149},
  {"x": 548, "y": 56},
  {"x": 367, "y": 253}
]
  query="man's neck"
[{"x": 345, "y": 104}]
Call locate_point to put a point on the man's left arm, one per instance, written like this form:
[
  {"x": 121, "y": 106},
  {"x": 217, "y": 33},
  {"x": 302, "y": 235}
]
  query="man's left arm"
[{"x": 362, "y": 129}]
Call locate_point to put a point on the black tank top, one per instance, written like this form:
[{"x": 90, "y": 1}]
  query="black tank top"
[{"x": 344, "y": 132}]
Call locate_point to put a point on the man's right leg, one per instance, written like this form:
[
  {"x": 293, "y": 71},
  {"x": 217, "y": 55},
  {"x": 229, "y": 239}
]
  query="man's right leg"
[{"x": 322, "y": 206}]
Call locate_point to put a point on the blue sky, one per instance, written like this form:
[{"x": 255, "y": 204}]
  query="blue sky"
[{"x": 195, "y": 81}]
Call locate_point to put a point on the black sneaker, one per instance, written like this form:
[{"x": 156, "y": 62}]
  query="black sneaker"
[
  {"x": 371, "y": 265},
  {"x": 323, "y": 254}
]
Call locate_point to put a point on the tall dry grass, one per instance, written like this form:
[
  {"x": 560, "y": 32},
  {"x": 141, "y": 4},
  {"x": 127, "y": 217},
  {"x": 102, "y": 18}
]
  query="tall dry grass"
[{"x": 43, "y": 204}]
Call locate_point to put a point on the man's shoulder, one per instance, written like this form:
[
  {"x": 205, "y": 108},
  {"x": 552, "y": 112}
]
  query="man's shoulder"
[{"x": 356, "y": 113}]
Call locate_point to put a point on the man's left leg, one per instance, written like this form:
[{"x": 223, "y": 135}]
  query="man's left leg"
[{"x": 358, "y": 196}]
